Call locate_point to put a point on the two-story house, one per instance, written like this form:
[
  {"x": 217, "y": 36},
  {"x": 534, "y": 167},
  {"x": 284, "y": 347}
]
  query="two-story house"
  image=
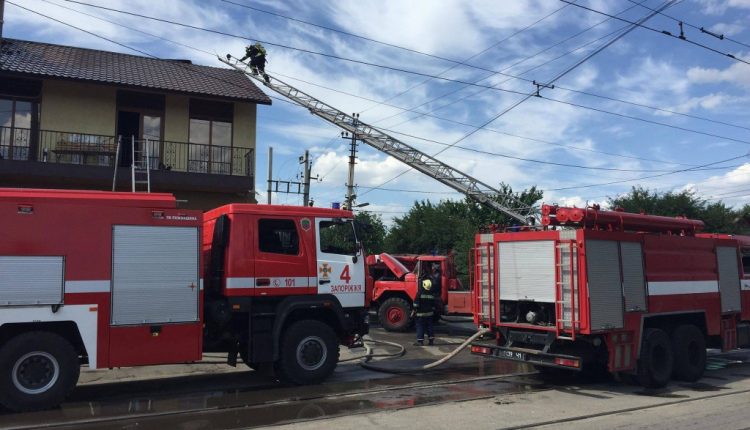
[{"x": 75, "y": 118}]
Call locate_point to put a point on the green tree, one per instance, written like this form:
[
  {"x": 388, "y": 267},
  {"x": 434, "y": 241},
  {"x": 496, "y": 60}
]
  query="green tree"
[
  {"x": 450, "y": 225},
  {"x": 718, "y": 217},
  {"x": 371, "y": 231}
]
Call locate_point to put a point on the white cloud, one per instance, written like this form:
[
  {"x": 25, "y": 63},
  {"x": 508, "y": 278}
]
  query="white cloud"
[{"x": 737, "y": 74}]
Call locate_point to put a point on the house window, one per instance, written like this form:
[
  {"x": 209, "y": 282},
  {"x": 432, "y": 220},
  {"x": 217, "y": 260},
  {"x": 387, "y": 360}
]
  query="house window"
[
  {"x": 278, "y": 236},
  {"x": 210, "y": 137},
  {"x": 15, "y": 128}
]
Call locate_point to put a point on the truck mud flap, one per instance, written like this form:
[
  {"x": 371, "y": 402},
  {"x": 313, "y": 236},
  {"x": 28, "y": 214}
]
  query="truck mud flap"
[{"x": 530, "y": 356}]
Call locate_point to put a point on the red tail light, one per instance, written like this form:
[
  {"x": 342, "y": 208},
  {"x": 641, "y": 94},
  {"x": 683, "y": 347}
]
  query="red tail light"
[
  {"x": 567, "y": 362},
  {"x": 480, "y": 350}
]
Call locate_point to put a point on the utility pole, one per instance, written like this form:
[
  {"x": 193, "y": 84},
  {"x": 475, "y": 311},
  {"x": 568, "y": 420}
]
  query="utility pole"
[
  {"x": 291, "y": 187},
  {"x": 2, "y": 17},
  {"x": 305, "y": 160},
  {"x": 270, "y": 172},
  {"x": 352, "y": 161}
]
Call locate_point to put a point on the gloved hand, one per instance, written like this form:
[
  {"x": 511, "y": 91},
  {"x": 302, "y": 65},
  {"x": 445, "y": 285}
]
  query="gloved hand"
[{"x": 229, "y": 56}]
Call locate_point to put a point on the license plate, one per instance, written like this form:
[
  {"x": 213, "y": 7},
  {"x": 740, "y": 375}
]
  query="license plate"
[{"x": 513, "y": 355}]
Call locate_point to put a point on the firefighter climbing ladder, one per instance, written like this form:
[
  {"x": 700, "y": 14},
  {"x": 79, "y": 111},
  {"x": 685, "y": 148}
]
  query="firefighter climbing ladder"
[
  {"x": 140, "y": 165},
  {"x": 408, "y": 155}
]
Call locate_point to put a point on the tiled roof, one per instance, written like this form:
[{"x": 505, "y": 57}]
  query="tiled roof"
[{"x": 67, "y": 62}]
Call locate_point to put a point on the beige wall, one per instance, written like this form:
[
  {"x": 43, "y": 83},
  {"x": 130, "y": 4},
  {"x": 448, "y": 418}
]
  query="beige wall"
[
  {"x": 73, "y": 106},
  {"x": 243, "y": 135},
  {"x": 176, "y": 118}
]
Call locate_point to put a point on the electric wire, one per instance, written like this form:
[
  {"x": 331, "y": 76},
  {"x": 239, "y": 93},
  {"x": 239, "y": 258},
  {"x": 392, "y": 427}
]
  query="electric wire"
[
  {"x": 648, "y": 177},
  {"x": 662, "y": 32},
  {"x": 493, "y": 130},
  {"x": 702, "y": 29},
  {"x": 145, "y": 53},
  {"x": 556, "y": 78},
  {"x": 194, "y": 27}
]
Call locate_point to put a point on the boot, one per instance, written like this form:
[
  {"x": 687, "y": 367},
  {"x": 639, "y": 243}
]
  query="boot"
[{"x": 419, "y": 343}]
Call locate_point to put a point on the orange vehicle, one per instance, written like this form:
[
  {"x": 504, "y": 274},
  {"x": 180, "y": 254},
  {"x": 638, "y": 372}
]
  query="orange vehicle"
[{"x": 395, "y": 287}]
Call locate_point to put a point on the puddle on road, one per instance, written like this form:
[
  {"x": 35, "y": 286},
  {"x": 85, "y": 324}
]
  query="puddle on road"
[
  {"x": 264, "y": 414},
  {"x": 159, "y": 397}
]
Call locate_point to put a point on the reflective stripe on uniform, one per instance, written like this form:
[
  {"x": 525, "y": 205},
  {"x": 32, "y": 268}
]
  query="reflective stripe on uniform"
[{"x": 425, "y": 314}]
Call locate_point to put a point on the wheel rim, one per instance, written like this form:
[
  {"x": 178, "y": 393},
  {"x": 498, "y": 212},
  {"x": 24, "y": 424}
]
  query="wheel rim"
[
  {"x": 35, "y": 372},
  {"x": 311, "y": 353},
  {"x": 395, "y": 314}
]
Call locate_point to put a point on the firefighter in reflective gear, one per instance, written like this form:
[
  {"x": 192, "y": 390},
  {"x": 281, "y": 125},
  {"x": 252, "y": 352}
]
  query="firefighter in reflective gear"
[
  {"x": 257, "y": 55},
  {"x": 424, "y": 311},
  {"x": 437, "y": 288}
]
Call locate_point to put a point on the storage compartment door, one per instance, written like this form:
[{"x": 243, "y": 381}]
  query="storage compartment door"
[
  {"x": 604, "y": 284},
  {"x": 27, "y": 280},
  {"x": 633, "y": 282},
  {"x": 526, "y": 270},
  {"x": 729, "y": 278},
  {"x": 155, "y": 275}
]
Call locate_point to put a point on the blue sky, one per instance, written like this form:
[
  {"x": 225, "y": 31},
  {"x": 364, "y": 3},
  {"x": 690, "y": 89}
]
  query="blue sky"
[{"x": 643, "y": 67}]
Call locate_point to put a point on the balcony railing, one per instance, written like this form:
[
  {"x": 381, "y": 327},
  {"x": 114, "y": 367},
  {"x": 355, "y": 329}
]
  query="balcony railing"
[{"x": 100, "y": 150}]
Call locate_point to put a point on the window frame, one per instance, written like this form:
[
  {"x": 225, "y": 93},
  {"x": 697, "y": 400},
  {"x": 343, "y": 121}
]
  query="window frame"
[{"x": 261, "y": 230}]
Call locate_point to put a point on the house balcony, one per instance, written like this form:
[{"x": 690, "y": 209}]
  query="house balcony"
[{"x": 59, "y": 159}]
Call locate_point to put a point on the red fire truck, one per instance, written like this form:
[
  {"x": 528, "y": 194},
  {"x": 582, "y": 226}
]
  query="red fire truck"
[
  {"x": 395, "y": 287},
  {"x": 637, "y": 295},
  {"x": 122, "y": 279}
]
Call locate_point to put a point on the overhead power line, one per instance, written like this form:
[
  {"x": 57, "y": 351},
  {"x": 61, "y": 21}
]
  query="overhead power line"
[
  {"x": 429, "y": 76},
  {"x": 662, "y": 32},
  {"x": 701, "y": 29},
  {"x": 651, "y": 176},
  {"x": 532, "y": 94}
]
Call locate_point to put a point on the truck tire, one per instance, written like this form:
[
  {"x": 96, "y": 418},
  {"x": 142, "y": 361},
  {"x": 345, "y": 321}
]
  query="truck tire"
[
  {"x": 656, "y": 360},
  {"x": 309, "y": 352},
  {"x": 689, "y": 348},
  {"x": 393, "y": 314},
  {"x": 38, "y": 370}
]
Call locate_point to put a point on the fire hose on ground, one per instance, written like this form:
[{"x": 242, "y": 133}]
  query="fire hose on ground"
[{"x": 364, "y": 360}]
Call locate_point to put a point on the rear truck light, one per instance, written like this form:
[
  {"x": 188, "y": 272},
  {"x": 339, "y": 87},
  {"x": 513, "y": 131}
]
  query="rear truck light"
[
  {"x": 480, "y": 350},
  {"x": 567, "y": 362}
]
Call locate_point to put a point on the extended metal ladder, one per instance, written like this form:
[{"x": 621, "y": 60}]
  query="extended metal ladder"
[
  {"x": 140, "y": 165},
  {"x": 566, "y": 289},
  {"x": 408, "y": 155}
]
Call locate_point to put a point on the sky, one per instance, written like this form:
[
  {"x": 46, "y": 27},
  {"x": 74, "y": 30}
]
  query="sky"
[{"x": 422, "y": 70}]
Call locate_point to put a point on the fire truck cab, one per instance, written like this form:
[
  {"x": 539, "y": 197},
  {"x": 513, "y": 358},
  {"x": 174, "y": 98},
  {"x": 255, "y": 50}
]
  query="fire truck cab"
[
  {"x": 637, "y": 295},
  {"x": 123, "y": 279}
]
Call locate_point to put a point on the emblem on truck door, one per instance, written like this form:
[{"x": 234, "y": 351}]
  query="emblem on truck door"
[
  {"x": 305, "y": 224},
  {"x": 324, "y": 270}
]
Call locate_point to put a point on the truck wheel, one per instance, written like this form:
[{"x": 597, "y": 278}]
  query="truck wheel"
[
  {"x": 689, "y": 348},
  {"x": 394, "y": 314},
  {"x": 655, "y": 363},
  {"x": 38, "y": 370},
  {"x": 309, "y": 352}
]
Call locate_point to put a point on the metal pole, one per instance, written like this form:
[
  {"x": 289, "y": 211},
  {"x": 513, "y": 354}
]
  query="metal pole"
[
  {"x": 270, "y": 172},
  {"x": 352, "y": 161},
  {"x": 306, "y": 178}
]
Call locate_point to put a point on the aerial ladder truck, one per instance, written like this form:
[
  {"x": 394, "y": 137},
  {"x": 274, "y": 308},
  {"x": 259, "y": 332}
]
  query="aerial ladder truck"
[{"x": 394, "y": 297}]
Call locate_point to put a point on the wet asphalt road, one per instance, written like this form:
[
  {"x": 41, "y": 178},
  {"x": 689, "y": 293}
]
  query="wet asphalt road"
[{"x": 247, "y": 399}]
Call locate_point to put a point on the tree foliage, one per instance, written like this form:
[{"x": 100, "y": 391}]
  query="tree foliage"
[
  {"x": 449, "y": 225},
  {"x": 718, "y": 217},
  {"x": 370, "y": 231}
]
